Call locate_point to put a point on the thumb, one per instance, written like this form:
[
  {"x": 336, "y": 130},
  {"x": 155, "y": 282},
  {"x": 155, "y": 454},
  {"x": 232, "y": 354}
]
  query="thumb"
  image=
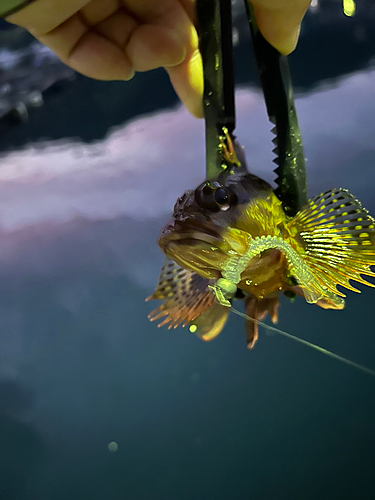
[{"x": 280, "y": 25}]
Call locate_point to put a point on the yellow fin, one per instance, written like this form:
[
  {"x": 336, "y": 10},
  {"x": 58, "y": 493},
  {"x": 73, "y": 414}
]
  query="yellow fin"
[
  {"x": 210, "y": 323},
  {"x": 335, "y": 236}
]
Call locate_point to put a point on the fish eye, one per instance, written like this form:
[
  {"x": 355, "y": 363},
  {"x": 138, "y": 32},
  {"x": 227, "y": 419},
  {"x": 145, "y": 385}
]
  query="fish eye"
[
  {"x": 222, "y": 198},
  {"x": 214, "y": 197}
]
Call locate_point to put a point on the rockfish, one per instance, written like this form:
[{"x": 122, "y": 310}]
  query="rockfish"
[{"x": 230, "y": 238}]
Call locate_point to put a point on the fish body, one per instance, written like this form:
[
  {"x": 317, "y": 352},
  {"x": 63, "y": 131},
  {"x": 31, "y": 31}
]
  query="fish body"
[
  {"x": 230, "y": 237},
  {"x": 204, "y": 237}
]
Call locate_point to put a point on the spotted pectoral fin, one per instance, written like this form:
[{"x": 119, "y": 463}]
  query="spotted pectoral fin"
[
  {"x": 335, "y": 236},
  {"x": 187, "y": 300}
]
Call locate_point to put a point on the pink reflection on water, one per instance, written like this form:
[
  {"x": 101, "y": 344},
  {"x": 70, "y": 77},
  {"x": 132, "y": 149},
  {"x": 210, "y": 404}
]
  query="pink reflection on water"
[{"x": 140, "y": 168}]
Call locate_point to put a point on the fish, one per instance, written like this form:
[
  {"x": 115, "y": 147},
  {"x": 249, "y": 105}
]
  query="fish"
[{"x": 230, "y": 238}]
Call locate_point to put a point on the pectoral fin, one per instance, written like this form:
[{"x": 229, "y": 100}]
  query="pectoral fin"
[
  {"x": 335, "y": 236},
  {"x": 187, "y": 300}
]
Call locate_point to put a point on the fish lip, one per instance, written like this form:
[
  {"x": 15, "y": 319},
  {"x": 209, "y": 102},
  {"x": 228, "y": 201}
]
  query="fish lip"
[
  {"x": 193, "y": 236},
  {"x": 191, "y": 231}
]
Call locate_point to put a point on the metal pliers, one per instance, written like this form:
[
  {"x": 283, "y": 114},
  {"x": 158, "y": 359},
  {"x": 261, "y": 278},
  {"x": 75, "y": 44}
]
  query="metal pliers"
[{"x": 215, "y": 36}]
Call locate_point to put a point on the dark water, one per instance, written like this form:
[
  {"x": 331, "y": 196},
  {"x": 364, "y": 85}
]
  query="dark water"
[{"x": 80, "y": 365}]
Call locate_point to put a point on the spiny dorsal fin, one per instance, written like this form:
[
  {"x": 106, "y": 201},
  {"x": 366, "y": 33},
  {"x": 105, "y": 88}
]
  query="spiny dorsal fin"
[{"x": 336, "y": 237}]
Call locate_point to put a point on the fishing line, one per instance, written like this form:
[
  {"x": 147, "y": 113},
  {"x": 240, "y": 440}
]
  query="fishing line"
[{"x": 305, "y": 342}]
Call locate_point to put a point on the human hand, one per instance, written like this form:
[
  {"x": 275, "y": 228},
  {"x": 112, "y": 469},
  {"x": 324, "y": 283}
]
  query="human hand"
[
  {"x": 279, "y": 21},
  {"x": 112, "y": 39}
]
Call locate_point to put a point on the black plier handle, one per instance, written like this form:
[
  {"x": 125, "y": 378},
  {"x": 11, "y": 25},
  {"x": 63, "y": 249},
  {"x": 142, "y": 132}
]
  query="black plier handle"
[{"x": 215, "y": 36}]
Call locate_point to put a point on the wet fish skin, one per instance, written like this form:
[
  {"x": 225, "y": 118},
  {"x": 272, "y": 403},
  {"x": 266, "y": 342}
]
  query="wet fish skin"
[{"x": 234, "y": 228}]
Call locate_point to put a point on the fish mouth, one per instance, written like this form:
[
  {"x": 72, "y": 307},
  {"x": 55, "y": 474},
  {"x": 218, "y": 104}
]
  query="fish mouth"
[
  {"x": 191, "y": 237},
  {"x": 188, "y": 233},
  {"x": 194, "y": 246}
]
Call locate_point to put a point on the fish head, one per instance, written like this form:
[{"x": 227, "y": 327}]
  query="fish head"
[{"x": 205, "y": 227}]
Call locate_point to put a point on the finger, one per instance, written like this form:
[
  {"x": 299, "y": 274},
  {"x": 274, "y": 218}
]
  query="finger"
[
  {"x": 187, "y": 80},
  {"x": 59, "y": 26},
  {"x": 118, "y": 28},
  {"x": 167, "y": 13},
  {"x": 190, "y": 9},
  {"x": 152, "y": 46},
  {"x": 280, "y": 26},
  {"x": 43, "y": 16},
  {"x": 88, "y": 52},
  {"x": 97, "y": 10},
  {"x": 187, "y": 77}
]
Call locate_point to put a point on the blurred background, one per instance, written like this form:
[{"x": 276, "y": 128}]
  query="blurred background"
[{"x": 96, "y": 402}]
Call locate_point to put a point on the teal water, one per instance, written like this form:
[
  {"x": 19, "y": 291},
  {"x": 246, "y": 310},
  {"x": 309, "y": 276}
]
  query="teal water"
[{"x": 81, "y": 366}]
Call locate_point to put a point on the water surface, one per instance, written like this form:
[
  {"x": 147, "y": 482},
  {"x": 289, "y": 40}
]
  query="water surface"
[{"x": 80, "y": 365}]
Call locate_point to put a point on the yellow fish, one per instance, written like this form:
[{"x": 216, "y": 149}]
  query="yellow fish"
[{"x": 230, "y": 237}]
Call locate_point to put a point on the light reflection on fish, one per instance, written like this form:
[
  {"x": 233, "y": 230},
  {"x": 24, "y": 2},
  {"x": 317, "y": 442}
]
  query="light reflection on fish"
[{"x": 230, "y": 237}]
